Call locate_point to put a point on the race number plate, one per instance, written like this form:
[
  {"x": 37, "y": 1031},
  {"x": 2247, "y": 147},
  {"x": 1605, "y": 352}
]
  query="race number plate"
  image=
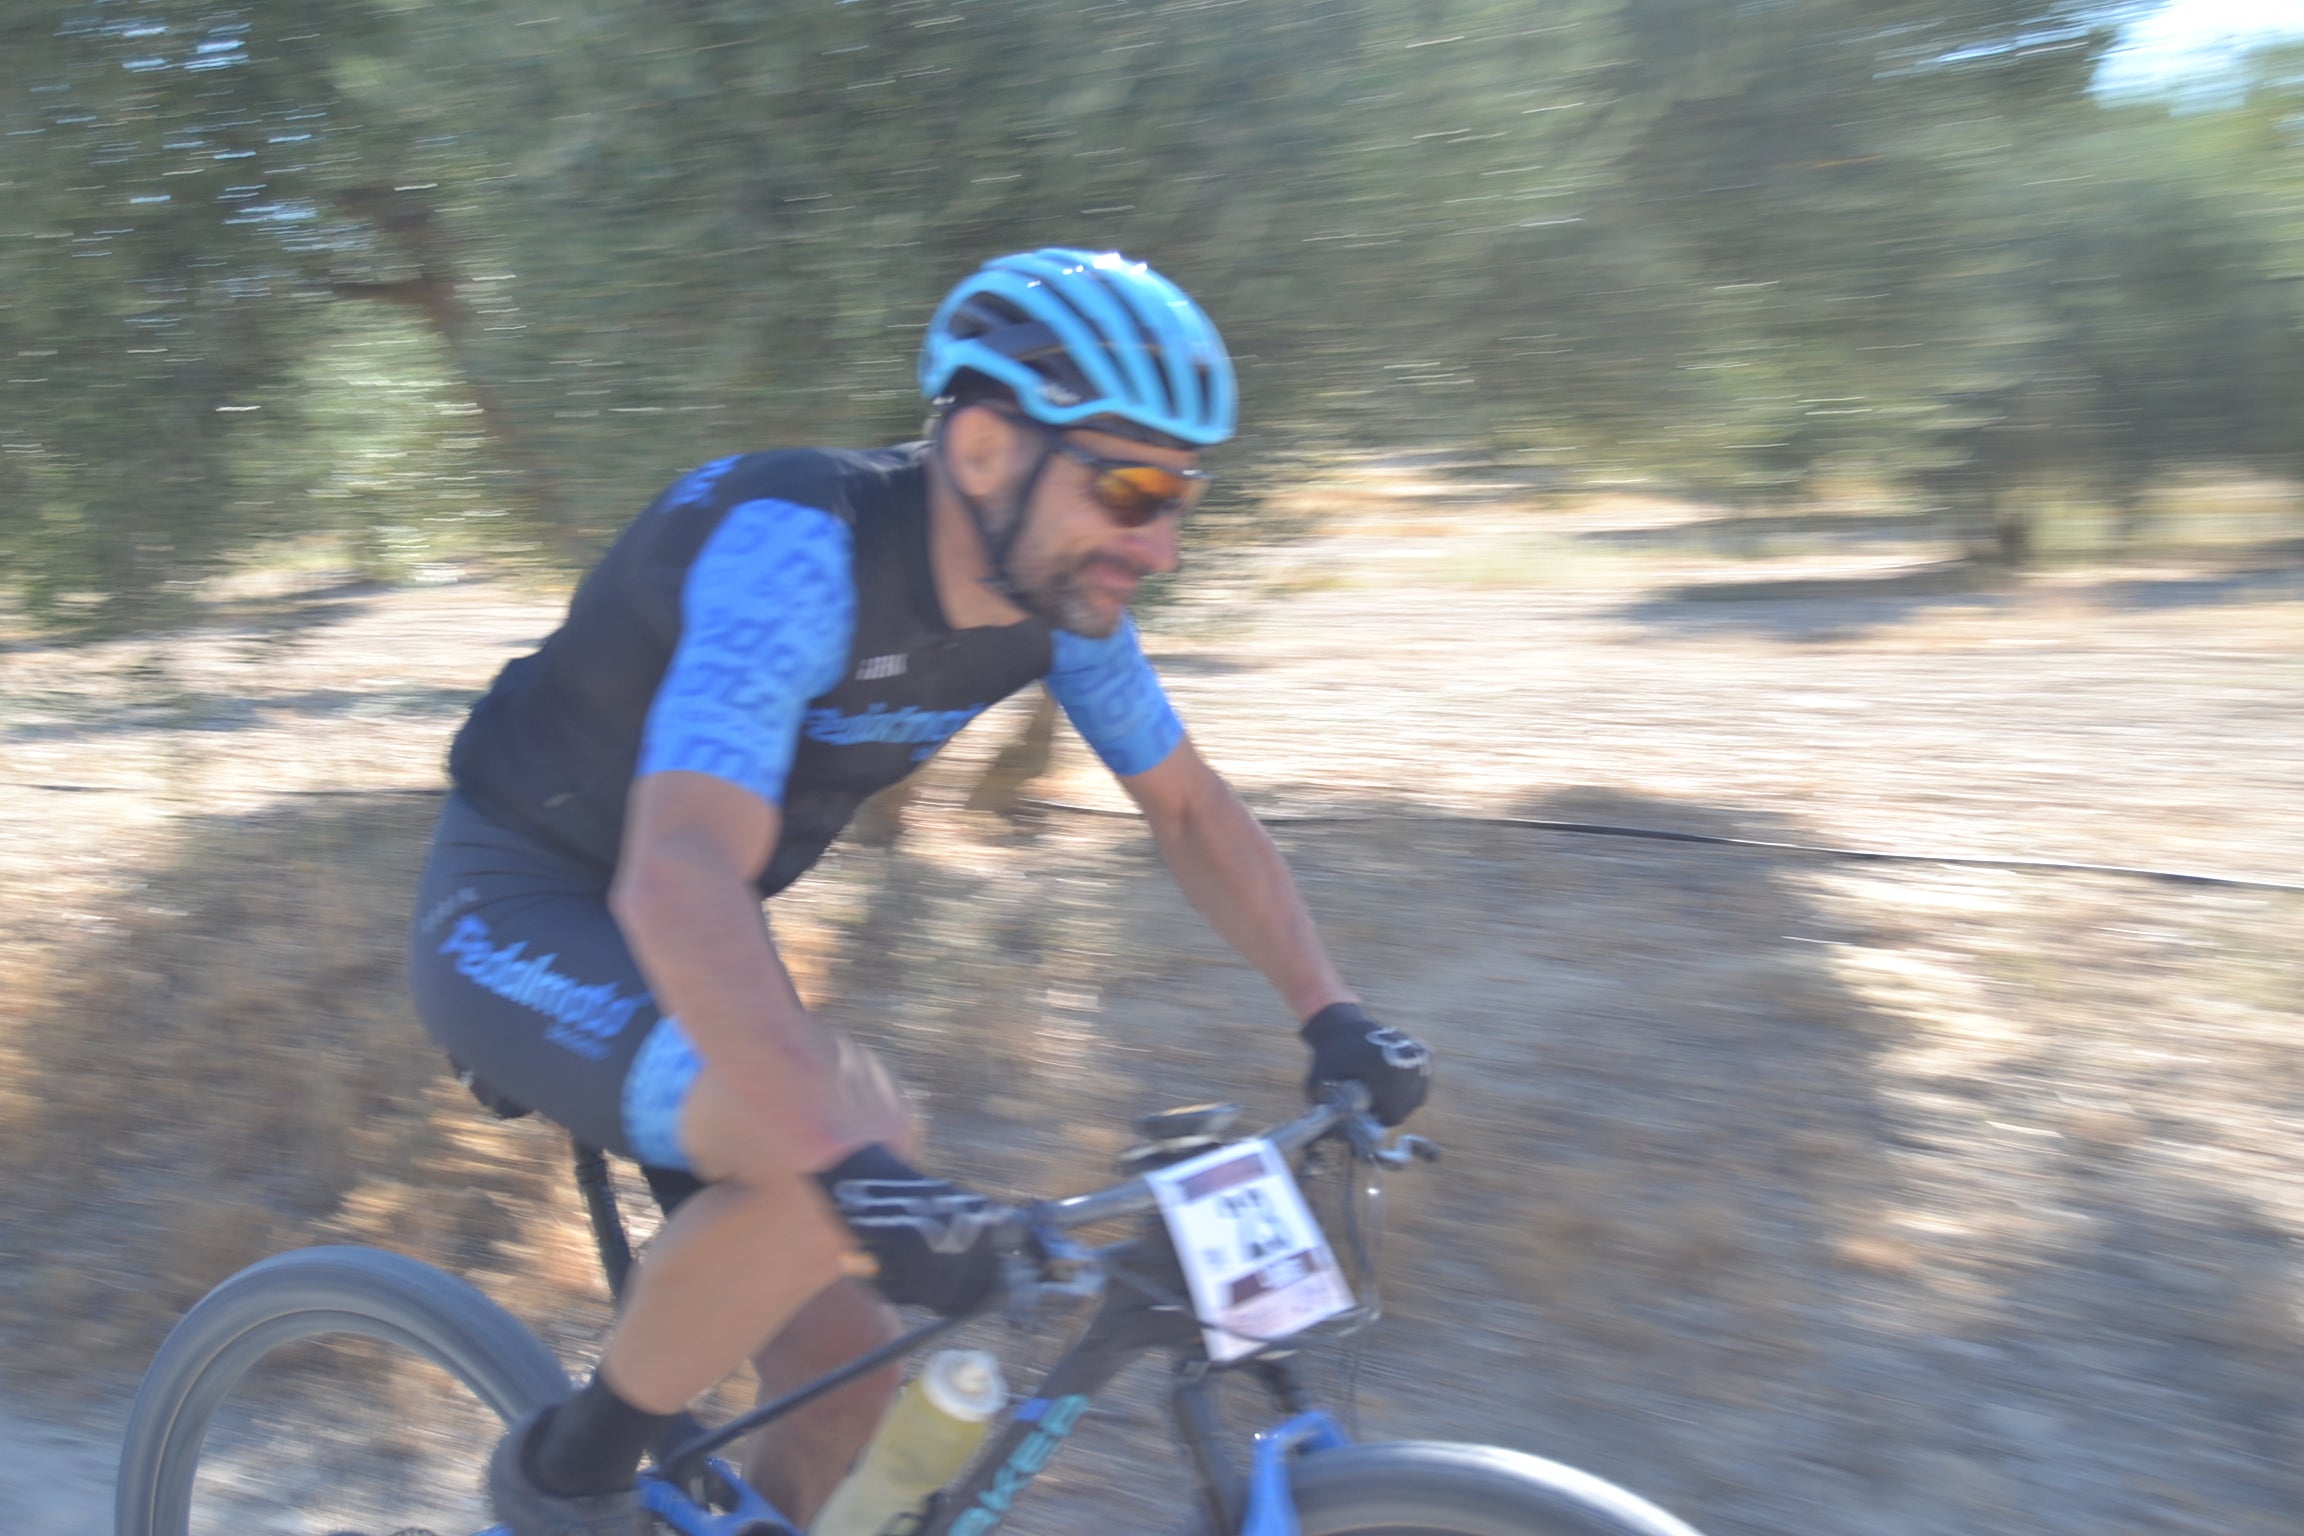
[{"x": 1255, "y": 1260}]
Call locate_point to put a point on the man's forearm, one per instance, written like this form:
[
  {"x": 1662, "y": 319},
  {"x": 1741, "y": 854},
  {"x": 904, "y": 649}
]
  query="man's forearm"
[
  {"x": 1229, "y": 868},
  {"x": 703, "y": 944}
]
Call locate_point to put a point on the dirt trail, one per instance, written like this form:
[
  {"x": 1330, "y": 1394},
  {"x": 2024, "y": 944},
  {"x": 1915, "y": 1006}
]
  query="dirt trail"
[
  {"x": 57, "y": 1478},
  {"x": 1796, "y": 1194}
]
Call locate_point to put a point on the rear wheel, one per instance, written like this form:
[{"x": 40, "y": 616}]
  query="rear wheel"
[
  {"x": 1426, "y": 1488},
  {"x": 365, "y": 1426}
]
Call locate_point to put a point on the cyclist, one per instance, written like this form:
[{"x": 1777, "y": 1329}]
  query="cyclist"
[{"x": 775, "y": 638}]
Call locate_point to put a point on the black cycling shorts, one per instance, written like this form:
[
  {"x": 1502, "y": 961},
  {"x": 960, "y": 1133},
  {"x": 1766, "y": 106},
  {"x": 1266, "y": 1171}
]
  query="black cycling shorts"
[{"x": 523, "y": 977}]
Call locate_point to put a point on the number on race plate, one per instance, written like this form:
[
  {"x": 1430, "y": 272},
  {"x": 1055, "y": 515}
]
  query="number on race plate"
[{"x": 1254, "y": 1259}]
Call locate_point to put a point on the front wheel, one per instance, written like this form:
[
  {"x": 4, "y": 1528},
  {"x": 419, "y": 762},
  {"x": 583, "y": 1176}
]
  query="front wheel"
[
  {"x": 431, "y": 1324},
  {"x": 1427, "y": 1488}
]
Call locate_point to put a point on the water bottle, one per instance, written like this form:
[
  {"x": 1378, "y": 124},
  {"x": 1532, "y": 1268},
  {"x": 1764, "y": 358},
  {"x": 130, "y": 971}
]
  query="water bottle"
[{"x": 931, "y": 1430}]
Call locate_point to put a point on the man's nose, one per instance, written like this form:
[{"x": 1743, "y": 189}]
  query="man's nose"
[{"x": 1158, "y": 546}]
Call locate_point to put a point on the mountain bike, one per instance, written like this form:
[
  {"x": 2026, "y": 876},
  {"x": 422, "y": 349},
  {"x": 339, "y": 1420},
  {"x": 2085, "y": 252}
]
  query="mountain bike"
[{"x": 1224, "y": 1269}]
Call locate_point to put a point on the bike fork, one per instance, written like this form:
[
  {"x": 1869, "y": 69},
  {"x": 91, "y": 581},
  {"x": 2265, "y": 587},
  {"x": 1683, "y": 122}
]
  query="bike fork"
[{"x": 1261, "y": 1503}]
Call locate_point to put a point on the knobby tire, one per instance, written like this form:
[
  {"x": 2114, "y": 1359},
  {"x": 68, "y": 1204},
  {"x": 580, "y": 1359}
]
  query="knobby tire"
[
  {"x": 1427, "y": 1488},
  {"x": 309, "y": 1294}
]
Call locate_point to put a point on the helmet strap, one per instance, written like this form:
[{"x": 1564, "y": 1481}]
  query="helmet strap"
[{"x": 999, "y": 544}]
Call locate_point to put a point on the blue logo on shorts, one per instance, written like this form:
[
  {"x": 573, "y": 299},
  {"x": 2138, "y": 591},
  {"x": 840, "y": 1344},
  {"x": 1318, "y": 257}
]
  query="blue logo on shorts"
[{"x": 586, "y": 1020}]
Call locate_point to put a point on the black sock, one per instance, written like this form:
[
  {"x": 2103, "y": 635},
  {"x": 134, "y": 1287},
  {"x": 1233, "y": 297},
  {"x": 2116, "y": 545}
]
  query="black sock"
[{"x": 591, "y": 1443}]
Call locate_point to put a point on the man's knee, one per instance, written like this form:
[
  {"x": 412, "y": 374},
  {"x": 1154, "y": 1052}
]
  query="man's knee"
[{"x": 725, "y": 1138}]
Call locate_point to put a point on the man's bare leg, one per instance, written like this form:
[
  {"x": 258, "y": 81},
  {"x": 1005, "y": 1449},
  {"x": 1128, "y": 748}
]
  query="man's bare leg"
[
  {"x": 741, "y": 1257},
  {"x": 798, "y": 1460},
  {"x": 732, "y": 1266}
]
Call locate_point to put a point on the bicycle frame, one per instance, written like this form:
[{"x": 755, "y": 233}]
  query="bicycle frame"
[
  {"x": 321, "y": 1292},
  {"x": 1156, "y": 1315},
  {"x": 1134, "y": 1315},
  {"x": 1125, "y": 1326}
]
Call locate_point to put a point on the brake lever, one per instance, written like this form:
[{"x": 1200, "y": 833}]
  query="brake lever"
[
  {"x": 1367, "y": 1137},
  {"x": 1409, "y": 1149},
  {"x": 1050, "y": 1264}
]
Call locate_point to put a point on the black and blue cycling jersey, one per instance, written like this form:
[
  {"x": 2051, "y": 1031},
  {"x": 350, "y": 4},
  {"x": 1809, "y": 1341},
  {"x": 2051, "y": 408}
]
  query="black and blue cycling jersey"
[{"x": 772, "y": 620}]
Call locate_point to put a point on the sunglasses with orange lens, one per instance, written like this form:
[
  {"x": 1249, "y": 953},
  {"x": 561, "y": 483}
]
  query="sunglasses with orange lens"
[{"x": 1133, "y": 492}]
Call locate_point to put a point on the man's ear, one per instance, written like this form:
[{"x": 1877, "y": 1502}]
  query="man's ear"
[{"x": 979, "y": 450}]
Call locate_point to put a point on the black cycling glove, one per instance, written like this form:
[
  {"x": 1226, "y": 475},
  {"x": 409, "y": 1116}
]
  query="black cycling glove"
[
  {"x": 931, "y": 1238},
  {"x": 1350, "y": 1047}
]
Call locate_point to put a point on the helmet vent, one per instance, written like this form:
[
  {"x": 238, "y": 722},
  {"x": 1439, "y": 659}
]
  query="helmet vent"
[{"x": 1084, "y": 337}]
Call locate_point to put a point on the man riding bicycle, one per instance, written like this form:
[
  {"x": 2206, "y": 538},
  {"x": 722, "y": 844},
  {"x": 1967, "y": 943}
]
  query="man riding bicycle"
[{"x": 775, "y": 638}]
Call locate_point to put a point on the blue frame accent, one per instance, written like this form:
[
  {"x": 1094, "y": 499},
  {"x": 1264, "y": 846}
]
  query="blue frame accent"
[
  {"x": 1271, "y": 1505},
  {"x": 752, "y": 1516},
  {"x": 1271, "y": 1508}
]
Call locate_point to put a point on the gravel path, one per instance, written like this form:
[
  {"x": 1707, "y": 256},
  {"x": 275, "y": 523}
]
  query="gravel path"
[
  {"x": 56, "y": 1476},
  {"x": 1799, "y": 1195}
]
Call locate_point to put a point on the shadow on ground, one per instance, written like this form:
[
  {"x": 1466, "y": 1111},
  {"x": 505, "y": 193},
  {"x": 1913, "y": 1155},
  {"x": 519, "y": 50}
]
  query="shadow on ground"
[
  {"x": 1670, "y": 1243},
  {"x": 1821, "y": 608},
  {"x": 95, "y": 721},
  {"x": 1655, "y": 1100},
  {"x": 2266, "y": 582},
  {"x": 1745, "y": 535},
  {"x": 226, "y": 1068},
  {"x": 1844, "y": 608}
]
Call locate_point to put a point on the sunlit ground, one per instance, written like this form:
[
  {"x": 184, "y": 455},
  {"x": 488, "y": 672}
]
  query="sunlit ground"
[{"x": 1794, "y": 1192}]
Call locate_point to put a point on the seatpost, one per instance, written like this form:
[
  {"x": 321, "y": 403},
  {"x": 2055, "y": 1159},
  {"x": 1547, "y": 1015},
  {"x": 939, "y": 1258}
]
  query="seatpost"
[
  {"x": 616, "y": 1264},
  {"x": 607, "y": 1221}
]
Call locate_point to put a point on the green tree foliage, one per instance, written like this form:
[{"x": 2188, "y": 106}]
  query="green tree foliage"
[
  {"x": 409, "y": 272},
  {"x": 167, "y": 216}
]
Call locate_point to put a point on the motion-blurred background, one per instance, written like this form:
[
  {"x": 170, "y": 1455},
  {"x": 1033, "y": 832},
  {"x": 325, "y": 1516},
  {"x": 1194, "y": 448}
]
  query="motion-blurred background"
[
  {"x": 1853, "y": 424},
  {"x": 425, "y": 280}
]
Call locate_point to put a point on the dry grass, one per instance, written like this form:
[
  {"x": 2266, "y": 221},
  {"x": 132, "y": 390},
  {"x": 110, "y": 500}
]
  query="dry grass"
[
  {"x": 1788, "y": 1192},
  {"x": 228, "y": 1068}
]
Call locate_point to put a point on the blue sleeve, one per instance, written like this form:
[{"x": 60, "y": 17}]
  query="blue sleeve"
[
  {"x": 1114, "y": 700},
  {"x": 767, "y": 614}
]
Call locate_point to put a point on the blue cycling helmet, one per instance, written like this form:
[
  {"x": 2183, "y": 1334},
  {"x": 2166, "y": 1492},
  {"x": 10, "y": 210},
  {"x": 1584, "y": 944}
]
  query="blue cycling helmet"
[{"x": 1086, "y": 334}]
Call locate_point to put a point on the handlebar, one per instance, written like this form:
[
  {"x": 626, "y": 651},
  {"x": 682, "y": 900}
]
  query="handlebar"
[
  {"x": 1047, "y": 1263},
  {"x": 1345, "y": 1105},
  {"x": 1055, "y": 1266},
  {"x": 1342, "y": 1108}
]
